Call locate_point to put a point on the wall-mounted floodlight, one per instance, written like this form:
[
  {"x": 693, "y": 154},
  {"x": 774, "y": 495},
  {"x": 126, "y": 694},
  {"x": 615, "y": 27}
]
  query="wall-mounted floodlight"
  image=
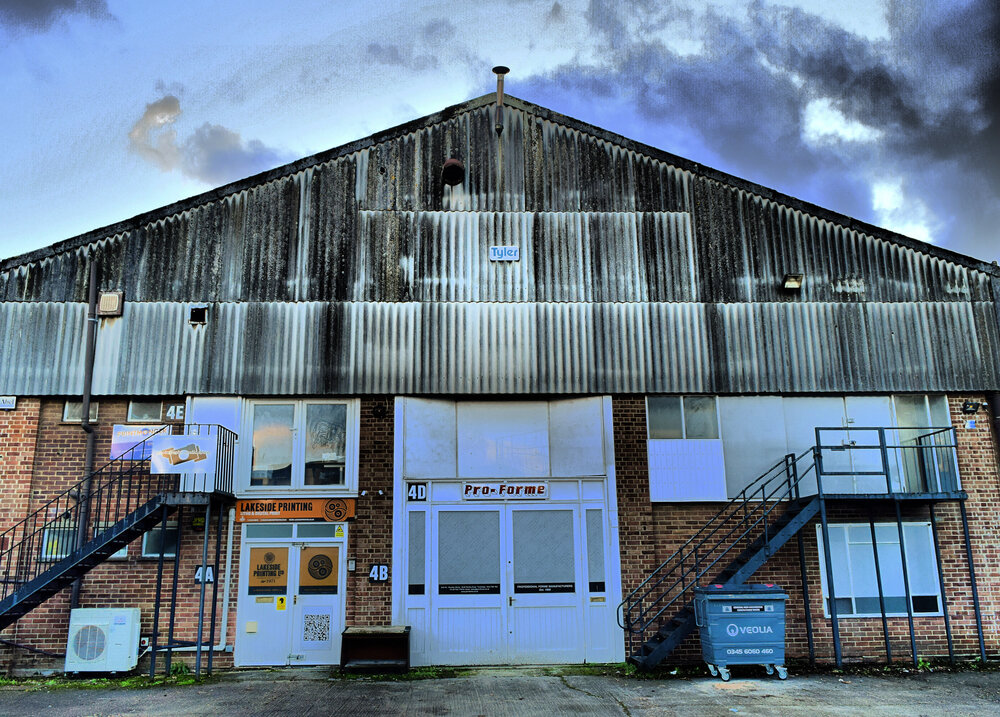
[
  {"x": 792, "y": 282},
  {"x": 970, "y": 407},
  {"x": 110, "y": 303}
]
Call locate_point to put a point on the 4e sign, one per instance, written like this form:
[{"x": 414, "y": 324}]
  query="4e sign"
[{"x": 378, "y": 573}]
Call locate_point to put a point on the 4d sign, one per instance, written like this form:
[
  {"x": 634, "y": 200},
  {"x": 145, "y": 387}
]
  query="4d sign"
[{"x": 416, "y": 492}]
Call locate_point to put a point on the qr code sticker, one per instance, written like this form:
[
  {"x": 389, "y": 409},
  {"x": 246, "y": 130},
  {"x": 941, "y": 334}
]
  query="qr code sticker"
[{"x": 315, "y": 628}]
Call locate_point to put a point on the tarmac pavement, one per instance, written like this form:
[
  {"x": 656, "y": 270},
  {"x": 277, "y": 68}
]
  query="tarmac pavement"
[{"x": 526, "y": 691}]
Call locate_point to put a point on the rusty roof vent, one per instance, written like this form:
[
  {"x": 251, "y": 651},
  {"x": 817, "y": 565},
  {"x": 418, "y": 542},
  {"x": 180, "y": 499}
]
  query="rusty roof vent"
[
  {"x": 453, "y": 172},
  {"x": 500, "y": 71}
]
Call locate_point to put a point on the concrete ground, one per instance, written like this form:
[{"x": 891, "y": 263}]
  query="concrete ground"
[{"x": 526, "y": 691}]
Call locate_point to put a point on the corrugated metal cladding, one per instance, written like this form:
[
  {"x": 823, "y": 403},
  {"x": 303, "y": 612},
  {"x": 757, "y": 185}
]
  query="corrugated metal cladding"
[
  {"x": 361, "y": 272},
  {"x": 500, "y": 348}
]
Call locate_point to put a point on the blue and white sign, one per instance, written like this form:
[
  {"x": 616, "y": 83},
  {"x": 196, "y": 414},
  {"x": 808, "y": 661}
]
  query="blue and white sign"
[
  {"x": 183, "y": 454},
  {"x": 8, "y": 403},
  {"x": 124, "y": 437},
  {"x": 505, "y": 253}
]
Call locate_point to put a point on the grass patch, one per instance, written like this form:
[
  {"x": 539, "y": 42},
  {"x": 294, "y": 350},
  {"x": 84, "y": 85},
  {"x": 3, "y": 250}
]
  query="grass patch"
[
  {"x": 123, "y": 682},
  {"x": 415, "y": 673}
]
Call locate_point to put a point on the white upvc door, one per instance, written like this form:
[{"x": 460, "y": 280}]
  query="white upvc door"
[
  {"x": 290, "y": 610},
  {"x": 545, "y": 584},
  {"x": 468, "y": 620}
]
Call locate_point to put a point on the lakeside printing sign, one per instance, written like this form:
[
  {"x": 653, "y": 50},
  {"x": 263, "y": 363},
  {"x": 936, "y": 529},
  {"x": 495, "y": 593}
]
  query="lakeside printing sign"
[
  {"x": 182, "y": 454},
  {"x": 332, "y": 510},
  {"x": 268, "y": 571},
  {"x": 124, "y": 437}
]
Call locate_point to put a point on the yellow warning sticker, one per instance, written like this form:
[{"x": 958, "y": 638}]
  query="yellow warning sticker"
[
  {"x": 281, "y": 602},
  {"x": 338, "y": 532}
]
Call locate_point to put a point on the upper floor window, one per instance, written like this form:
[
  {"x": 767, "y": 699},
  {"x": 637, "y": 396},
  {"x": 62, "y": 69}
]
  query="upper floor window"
[
  {"x": 73, "y": 411},
  {"x": 682, "y": 417},
  {"x": 144, "y": 411},
  {"x": 302, "y": 444}
]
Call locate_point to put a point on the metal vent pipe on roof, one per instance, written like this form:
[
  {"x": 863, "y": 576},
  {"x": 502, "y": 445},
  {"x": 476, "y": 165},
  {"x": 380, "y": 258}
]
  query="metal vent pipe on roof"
[{"x": 500, "y": 71}]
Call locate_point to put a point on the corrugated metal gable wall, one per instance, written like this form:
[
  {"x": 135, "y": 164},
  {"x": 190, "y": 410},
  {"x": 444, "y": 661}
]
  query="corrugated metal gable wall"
[{"x": 364, "y": 274}]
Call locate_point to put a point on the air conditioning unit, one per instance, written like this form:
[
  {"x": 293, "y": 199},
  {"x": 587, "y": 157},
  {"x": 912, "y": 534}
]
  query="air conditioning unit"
[{"x": 103, "y": 639}]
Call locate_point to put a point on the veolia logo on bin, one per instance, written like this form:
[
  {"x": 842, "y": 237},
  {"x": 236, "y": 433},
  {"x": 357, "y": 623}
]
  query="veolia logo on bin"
[{"x": 733, "y": 629}]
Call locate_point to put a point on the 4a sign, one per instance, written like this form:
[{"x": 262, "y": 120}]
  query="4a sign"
[
  {"x": 505, "y": 490},
  {"x": 204, "y": 574}
]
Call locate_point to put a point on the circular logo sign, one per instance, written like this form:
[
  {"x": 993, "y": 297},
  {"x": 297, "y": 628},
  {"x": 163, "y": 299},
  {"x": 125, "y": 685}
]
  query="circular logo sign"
[
  {"x": 732, "y": 630},
  {"x": 320, "y": 567},
  {"x": 269, "y": 557},
  {"x": 335, "y": 510}
]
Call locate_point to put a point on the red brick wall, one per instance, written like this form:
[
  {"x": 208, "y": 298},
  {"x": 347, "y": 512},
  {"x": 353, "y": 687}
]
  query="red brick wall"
[
  {"x": 18, "y": 432},
  {"x": 649, "y": 534},
  {"x": 58, "y": 464},
  {"x": 370, "y": 535}
]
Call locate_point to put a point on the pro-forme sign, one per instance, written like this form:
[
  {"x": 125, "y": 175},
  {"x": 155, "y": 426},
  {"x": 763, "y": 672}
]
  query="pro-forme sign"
[
  {"x": 505, "y": 490},
  {"x": 182, "y": 454},
  {"x": 123, "y": 437}
]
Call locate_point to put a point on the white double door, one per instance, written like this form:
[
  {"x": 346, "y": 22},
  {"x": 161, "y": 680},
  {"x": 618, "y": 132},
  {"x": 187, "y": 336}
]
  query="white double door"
[
  {"x": 290, "y": 608},
  {"x": 517, "y": 584}
]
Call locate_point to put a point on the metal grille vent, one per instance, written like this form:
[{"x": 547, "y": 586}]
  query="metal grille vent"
[{"x": 89, "y": 642}]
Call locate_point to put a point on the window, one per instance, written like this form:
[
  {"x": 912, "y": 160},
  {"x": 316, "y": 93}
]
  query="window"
[
  {"x": 144, "y": 411},
  {"x": 688, "y": 417},
  {"x": 854, "y": 573},
  {"x": 119, "y": 555},
  {"x": 73, "y": 411},
  {"x": 684, "y": 450},
  {"x": 151, "y": 541},
  {"x": 301, "y": 444},
  {"x": 58, "y": 542}
]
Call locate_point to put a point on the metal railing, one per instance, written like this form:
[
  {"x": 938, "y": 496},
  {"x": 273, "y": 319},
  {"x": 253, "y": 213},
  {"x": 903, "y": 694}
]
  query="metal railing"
[
  {"x": 745, "y": 519},
  {"x": 907, "y": 461},
  {"x": 97, "y": 504},
  {"x": 879, "y": 460}
]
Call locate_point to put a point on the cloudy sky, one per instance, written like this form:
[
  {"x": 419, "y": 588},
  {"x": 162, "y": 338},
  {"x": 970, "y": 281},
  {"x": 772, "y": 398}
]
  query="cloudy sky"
[{"x": 883, "y": 110}]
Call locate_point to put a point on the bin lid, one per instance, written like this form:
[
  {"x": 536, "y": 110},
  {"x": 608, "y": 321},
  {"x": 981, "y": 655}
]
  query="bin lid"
[{"x": 760, "y": 590}]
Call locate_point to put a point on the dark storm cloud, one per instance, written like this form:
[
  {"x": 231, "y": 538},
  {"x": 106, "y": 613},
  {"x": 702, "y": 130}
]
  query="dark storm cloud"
[
  {"x": 212, "y": 154},
  {"x": 40, "y": 14},
  {"x": 931, "y": 88}
]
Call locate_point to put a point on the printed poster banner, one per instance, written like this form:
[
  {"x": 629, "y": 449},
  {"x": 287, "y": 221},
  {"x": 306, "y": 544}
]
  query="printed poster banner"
[
  {"x": 124, "y": 437},
  {"x": 318, "y": 570},
  {"x": 183, "y": 454},
  {"x": 332, "y": 510},
  {"x": 268, "y": 571}
]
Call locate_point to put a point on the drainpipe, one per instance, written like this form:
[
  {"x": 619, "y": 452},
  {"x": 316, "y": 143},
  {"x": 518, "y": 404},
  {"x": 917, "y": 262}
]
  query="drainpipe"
[{"x": 88, "y": 381}]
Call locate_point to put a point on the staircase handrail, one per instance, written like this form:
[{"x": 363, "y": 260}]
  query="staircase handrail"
[{"x": 786, "y": 486}]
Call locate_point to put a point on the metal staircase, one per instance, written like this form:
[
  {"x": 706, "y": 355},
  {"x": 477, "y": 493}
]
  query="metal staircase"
[
  {"x": 869, "y": 464},
  {"x": 728, "y": 549},
  {"x": 80, "y": 528}
]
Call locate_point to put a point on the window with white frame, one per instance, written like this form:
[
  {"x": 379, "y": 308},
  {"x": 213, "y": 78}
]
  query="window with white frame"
[
  {"x": 152, "y": 540},
  {"x": 684, "y": 449},
  {"x": 144, "y": 411},
  {"x": 58, "y": 541},
  {"x": 73, "y": 411},
  {"x": 121, "y": 554},
  {"x": 854, "y": 576},
  {"x": 301, "y": 444}
]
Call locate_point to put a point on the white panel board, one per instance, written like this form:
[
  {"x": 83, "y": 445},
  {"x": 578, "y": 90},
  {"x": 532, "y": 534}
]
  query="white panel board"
[
  {"x": 503, "y": 439},
  {"x": 430, "y": 447},
  {"x": 753, "y": 437},
  {"x": 576, "y": 433},
  {"x": 686, "y": 470},
  {"x": 220, "y": 410},
  {"x": 802, "y": 417}
]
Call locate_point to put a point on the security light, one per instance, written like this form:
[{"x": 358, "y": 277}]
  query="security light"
[
  {"x": 792, "y": 282},
  {"x": 110, "y": 303}
]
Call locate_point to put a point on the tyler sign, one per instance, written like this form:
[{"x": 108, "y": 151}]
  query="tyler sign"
[
  {"x": 505, "y": 490},
  {"x": 505, "y": 253},
  {"x": 182, "y": 454}
]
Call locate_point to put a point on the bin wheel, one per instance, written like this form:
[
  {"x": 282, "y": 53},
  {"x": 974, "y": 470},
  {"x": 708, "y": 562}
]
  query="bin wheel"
[
  {"x": 769, "y": 669},
  {"x": 724, "y": 673},
  {"x": 782, "y": 672},
  {"x": 711, "y": 669}
]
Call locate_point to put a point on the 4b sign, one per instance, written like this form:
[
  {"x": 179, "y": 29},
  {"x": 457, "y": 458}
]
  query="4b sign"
[{"x": 379, "y": 573}]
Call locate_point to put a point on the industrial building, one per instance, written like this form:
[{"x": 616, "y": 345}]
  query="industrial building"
[{"x": 508, "y": 379}]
